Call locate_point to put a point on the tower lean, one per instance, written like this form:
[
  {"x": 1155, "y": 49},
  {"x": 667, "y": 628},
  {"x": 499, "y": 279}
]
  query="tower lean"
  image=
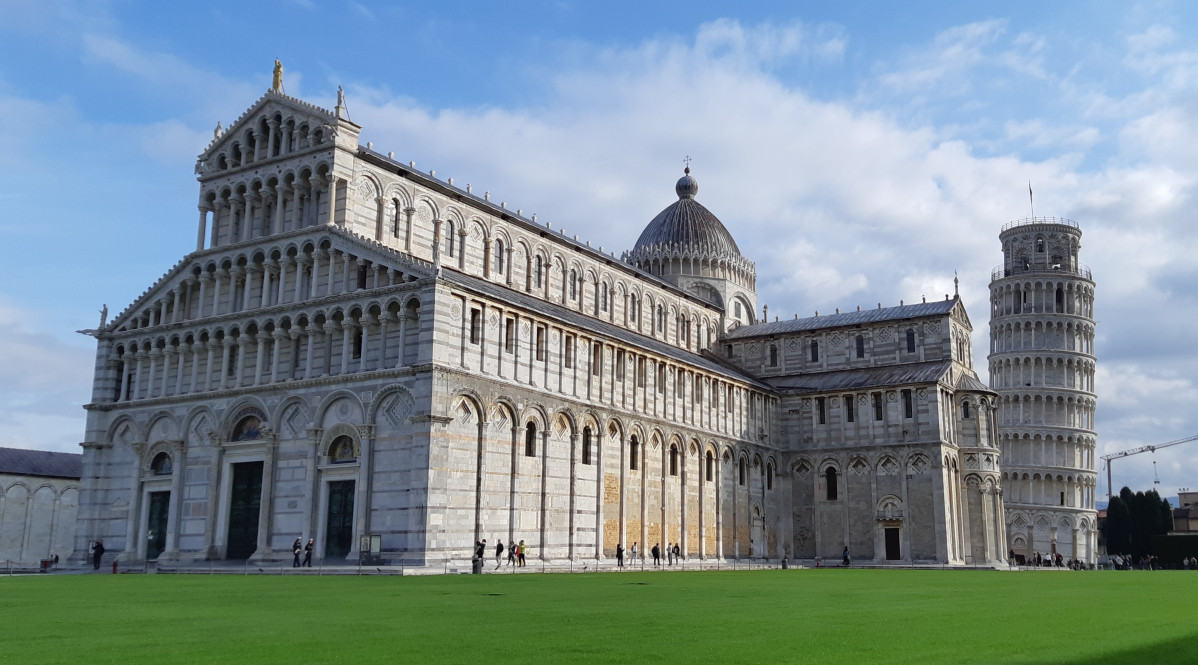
[{"x": 1042, "y": 366}]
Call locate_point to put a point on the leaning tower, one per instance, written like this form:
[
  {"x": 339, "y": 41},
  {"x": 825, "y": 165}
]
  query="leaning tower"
[{"x": 1042, "y": 367}]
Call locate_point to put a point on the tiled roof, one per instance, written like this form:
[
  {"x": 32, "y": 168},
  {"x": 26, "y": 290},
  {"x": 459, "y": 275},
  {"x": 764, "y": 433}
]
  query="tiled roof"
[
  {"x": 686, "y": 223},
  {"x": 598, "y": 327},
  {"x": 970, "y": 382},
  {"x": 21, "y": 462},
  {"x": 866, "y": 377},
  {"x": 935, "y": 308}
]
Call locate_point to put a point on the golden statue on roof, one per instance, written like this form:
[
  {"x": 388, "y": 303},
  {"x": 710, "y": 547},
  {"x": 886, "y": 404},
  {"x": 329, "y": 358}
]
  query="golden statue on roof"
[{"x": 277, "y": 84}]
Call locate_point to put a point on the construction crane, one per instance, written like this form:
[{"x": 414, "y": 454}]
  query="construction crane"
[{"x": 1137, "y": 451}]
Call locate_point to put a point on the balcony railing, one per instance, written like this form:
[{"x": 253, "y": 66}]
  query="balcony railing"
[
  {"x": 1053, "y": 269},
  {"x": 1027, "y": 221}
]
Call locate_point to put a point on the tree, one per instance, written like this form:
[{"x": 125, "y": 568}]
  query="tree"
[
  {"x": 1118, "y": 533},
  {"x": 1132, "y": 520}
]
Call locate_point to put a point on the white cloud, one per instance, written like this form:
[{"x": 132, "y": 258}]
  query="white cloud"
[
  {"x": 44, "y": 383},
  {"x": 841, "y": 203},
  {"x": 953, "y": 52}
]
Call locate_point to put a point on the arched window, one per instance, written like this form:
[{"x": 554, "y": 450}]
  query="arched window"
[
  {"x": 632, "y": 452},
  {"x": 573, "y": 284},
  {"x": 1039, "y": 244},
  {"x": 451, "y": 238},
  {"x": 586, "y": 445},
  {"x": 860, "y": 346},
  {"x": 603, "y": 297},
  {"x": 497, "y": 258},
  {"x": 736, "y": 309},
  {"x": 740, "y": 479},
  {"x": 632, "y": 308},
  {"x": 397, "y": 207},
  {"x": 673, "y": 460},
  {"x": 769, "y": 476},
  {"x": 773, "y": 355},
  {"x": 814, "y": 350},
  {"x": 341, "y": 450},
  {"x": 248, "y": 428},
  {"x": 161, "y": 466},
  {"x": 830, "y": 483},
  {"x": 538, "y": 268},
  {"x": 965, "y": 409},
  {"x": 530, "y": 439},
  {"x": 661, "y": 319},
  {"x": 910, "y": 340},
  {"x": 710, "y": 470}
]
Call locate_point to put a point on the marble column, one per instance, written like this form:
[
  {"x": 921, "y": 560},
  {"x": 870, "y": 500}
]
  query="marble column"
[{"x": 202, "y": 230}]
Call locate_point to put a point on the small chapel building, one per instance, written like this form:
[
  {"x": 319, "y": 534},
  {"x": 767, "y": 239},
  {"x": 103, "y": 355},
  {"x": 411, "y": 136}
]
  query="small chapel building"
[{"x": 369, "y": 356}]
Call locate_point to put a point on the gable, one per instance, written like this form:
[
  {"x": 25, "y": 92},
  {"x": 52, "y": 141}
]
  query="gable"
[{"x": 259, "y": 132}]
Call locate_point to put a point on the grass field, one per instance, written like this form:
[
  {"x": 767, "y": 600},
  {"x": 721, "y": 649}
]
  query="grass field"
[{"x": 800, "y": 616}]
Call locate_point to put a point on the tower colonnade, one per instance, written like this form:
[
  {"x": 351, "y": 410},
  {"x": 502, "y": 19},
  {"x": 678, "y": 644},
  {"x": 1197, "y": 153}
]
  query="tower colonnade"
[{"x": 1042, "y": 365}]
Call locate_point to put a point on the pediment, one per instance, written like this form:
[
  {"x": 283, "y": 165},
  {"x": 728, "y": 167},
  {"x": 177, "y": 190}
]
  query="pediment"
[
  {"x": 958, "y": 313},
  {"x": 295, "y": 116}
]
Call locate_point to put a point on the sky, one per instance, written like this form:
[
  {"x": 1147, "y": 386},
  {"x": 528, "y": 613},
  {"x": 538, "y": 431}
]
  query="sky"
[{"x": 858, "y": 154}]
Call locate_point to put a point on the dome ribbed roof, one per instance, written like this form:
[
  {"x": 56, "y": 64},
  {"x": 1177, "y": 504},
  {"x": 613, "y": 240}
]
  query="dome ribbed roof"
[{"x": 686, "y": 223}]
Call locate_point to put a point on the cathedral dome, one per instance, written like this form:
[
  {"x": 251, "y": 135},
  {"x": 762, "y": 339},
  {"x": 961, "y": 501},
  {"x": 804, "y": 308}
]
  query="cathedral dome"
[{"x": 687, "y": 224}]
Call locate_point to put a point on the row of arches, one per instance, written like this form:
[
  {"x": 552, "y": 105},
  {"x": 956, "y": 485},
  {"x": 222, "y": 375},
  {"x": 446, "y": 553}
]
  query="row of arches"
[
  {"x": 671, "y": 261},
  {"x": 1037, "y": 450},
  {"x": 1044, "y": 371},
  {"x": 266, "y": 277},
  {"x": 37, "y": 518},
  {"x": 368, "y": 335},
  {"x": 1050, "y": 410},
  {"x": 1028, "y": 334},
  {"x": 536, "y": 348},
  {"x": 499, "y": 248},
  {"x": 1049, "y": 489},
  {"x": 577, "y": 483},
  {"x": 271, "y": 135},
  {"x": 259, "y": 207},
  {"x": 1042, "y": 297}
]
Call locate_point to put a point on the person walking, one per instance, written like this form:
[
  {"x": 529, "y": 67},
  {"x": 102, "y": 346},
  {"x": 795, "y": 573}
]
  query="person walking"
[
  {"x": 670, "y": 553},
  {"x": 677, "y": 553},
  {"x": 97, "y": 554},
  {"x": 633, "y": 551},
  {"x": 520, "y": 562},
  {"x": 656, "y": 555},
  {"x": 296, "y": 548},
  {"x": 847, "y": 561},
  {"x": 498, "y": 553},
  {"x": 619, "y": 555},
  {"x": 308, "y": 552},
  {"x": 511, "y": 552}
]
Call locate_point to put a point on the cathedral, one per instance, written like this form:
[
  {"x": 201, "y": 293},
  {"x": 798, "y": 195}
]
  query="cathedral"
[{"x": 397, "y": 367}]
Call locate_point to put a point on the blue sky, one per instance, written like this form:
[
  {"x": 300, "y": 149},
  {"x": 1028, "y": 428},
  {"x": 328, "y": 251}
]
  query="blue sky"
[{"x": 857, "y": 153}]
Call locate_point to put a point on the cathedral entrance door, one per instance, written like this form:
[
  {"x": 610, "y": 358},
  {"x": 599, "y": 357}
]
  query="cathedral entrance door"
[
  {"x": 893, "y": 550},
  {"x": 156, "y": 524},
  {"x": 339, "y": 520},
  {"x": 244, "y": 506}
]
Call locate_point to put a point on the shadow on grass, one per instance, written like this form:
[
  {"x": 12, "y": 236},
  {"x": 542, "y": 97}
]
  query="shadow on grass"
[{"x": 1179, "y": 651}]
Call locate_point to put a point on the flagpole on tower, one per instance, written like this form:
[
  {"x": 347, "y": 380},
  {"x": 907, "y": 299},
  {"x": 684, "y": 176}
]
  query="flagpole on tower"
[{"x": 1030, "y": 201}]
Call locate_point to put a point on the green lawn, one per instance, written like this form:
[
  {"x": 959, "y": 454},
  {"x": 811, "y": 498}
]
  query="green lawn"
[{"x": 806, "y": 616}]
